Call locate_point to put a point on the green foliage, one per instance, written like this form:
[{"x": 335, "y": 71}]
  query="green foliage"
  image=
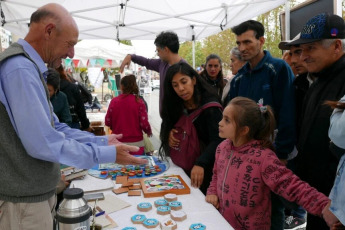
[
  {"x": 220, "y": 44},
  {"x": 126, "y": 42},
  {"x": 186, "y": 52}
]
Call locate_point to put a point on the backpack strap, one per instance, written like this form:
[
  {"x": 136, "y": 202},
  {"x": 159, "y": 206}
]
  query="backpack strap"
[{"x": 194, "y": 115}]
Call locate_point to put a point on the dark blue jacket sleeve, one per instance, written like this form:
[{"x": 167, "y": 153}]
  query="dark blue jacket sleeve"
[{"x": 284, "y": 104}]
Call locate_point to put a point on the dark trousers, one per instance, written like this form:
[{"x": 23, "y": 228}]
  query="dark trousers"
[{"x": 277, "y": 212}]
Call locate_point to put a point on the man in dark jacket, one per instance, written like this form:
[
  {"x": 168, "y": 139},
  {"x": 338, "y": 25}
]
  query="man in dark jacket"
[
  {"x": 270, "y": 79},
  {"x": 322, "y": 41}
]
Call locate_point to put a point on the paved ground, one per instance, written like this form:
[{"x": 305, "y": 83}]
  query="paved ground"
[{"x": 152, "y": 100}]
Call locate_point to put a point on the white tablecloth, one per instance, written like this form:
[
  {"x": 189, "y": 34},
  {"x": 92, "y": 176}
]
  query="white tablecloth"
[{"x": 194, "y": 205}]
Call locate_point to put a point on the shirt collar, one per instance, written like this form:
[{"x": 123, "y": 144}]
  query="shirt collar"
[{"x": 34, "y": 56}]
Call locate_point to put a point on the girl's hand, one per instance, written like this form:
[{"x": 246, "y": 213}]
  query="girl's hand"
[
  {"x": 173, "y": 142},
  {"x": 197, "y": 176},
  {"x": 213, "y": 199}
]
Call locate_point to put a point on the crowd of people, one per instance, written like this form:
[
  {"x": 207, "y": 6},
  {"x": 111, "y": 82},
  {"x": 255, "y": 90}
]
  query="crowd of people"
[{"x": 274, "y": 140}]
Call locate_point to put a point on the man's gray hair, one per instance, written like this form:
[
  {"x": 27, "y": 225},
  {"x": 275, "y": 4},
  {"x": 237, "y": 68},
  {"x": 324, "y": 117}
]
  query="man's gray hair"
[
  {"x": 237, "y": 53},
  {"x": 326, "y": 43}
]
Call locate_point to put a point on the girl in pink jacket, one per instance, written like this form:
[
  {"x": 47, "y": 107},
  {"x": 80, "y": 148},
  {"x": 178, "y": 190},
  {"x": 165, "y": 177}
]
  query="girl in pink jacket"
[{"x": 246, "y": 170}]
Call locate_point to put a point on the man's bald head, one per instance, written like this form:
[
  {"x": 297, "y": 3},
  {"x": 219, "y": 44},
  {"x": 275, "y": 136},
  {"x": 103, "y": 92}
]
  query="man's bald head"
[
  {"x": 55, "y": 13},
  {"x": 53, "y": 33}
]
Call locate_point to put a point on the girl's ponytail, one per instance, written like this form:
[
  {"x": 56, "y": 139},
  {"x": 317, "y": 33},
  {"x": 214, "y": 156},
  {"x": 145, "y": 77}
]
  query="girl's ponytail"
[
  {"x": 266, "y": 132},
  {"x": 259, "y": 119}
]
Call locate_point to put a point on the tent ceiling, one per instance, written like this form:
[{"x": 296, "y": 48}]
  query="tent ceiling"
[{"x": 143, "y": 19}]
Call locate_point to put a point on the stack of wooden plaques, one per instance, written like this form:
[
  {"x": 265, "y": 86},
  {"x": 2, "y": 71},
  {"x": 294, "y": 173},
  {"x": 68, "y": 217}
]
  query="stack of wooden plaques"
[{"x": 131, "y": 186}]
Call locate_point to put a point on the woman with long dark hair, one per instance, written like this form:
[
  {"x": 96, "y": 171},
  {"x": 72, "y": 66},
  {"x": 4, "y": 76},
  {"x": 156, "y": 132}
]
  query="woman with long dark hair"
[
  {"x": 213, "y": 73},
  {"x": 185, "y": 92}
]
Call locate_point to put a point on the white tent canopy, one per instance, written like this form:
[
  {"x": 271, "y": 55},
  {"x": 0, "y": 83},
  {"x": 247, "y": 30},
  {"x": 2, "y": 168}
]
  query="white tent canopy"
[
  {"x": 143, "y": 19},
  {"x": 105, "y": 49}
]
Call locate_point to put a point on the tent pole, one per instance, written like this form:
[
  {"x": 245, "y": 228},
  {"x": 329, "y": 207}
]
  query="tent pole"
[
  {"x": 193, "y": 47},
  {"x": 337, "y": 8}
]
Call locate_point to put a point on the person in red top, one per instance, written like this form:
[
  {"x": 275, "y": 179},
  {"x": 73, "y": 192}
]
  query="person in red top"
[
  {"x": 246, "y": 170},
  {"x": 127, "y": 115}
]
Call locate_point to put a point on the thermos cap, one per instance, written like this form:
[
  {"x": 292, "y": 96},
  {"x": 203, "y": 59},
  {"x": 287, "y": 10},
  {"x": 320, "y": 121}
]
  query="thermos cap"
[{"x": 73, "y": 193}]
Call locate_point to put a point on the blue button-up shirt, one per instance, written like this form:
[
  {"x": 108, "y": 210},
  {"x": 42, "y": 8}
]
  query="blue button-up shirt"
[
  {"x": 24, "y": 97},
  {"x": 337, "y": 135}
]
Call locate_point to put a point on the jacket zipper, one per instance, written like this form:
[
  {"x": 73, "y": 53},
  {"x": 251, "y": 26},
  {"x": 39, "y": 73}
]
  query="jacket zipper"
[{"x": 226, "y": 173}]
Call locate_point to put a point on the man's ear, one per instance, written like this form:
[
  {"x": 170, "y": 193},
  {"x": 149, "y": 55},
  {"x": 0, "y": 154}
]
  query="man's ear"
[
  {"x": 338, "y": 46},
  {"x": 262, "y": 40},
  {"x": 49, "y": 29}
]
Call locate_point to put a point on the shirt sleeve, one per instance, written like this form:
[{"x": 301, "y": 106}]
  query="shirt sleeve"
[
  {"x": 108, "y": 116},
  {"x": 29, "y": 112},
  {"x": 152, "y": 64},
  {"x": 143, "y": 118},
  {"x": 285, "y": 183},
  {"x": 337, "y": 127},
  {"x": 284, "y": 105}
]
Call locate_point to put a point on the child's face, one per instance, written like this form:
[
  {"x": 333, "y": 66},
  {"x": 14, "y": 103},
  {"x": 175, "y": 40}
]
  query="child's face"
[
  {"x": 227, "y": 126},
  {"x": 183, "y": 86},
  {"x": 51, "y": 90}
]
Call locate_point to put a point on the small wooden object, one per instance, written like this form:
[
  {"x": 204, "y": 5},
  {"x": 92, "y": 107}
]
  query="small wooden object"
[
  {"x": 161, "y": 202},
  {"x": 134, "y": 193},
  {"x": 144, "y": 206},
  {"x": 178, "y": 215},
  {"x": 134, "y": 180},
  {"x": 127, "y": 184},
  {"x": 159, "y": 186},
  {"x": 163, "y": 210},
  {"x": 175, "y": 205},
  {"x": 135, "y": 187},
  {"x": 168, "y": 224},
  {"x": 170, "y": 197},
  {"x": 121, "y": 179},
  {"x": 138, "y": 219},
  {"x": 120, "y": 190},
  {"x": 197, "y": 226},
  {"x": 151, "y": 223}
]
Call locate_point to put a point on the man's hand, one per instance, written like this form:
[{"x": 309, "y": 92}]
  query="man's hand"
[
  {"x": 124, "y": 158},
  {"x": 125, "y": 62},
  {"x": 197, "y": 176},
  {"x": 338, "y": 226},
  {"x": 173, "y": 142},
  {"x": 213, "y": 199},
  {"x": 328, "y": 216},
  {"x": 113, "y": 139}
]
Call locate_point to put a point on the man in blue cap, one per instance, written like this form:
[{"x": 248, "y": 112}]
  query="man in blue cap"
[{"x": 322, "y": 41}]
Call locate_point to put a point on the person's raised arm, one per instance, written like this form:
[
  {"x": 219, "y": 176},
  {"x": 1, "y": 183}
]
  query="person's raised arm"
[{"x": 125, "y": 63}]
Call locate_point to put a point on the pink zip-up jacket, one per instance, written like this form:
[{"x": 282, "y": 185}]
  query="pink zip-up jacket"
[{"x": 243, "y": 178}]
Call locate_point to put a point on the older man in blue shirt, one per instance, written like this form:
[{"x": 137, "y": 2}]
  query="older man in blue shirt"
[{"x": 33, "y": 141}]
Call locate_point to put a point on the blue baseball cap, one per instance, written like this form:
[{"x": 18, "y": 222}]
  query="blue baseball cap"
[{"x": 322, "y": 26}]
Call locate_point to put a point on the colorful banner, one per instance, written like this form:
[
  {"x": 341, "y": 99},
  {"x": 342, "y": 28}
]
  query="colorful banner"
[
  {"x": 100, "y": 62},
  {"x": 92, "y": 62},
  {"x": 68, "y": 62},
  {"x": 76, "y": 62},
  {"x": 110, "y": 62}
]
